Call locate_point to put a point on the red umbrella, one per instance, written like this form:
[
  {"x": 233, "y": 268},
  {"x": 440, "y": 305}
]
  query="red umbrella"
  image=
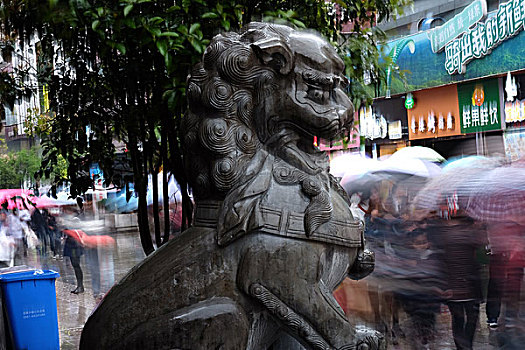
[{"x": 90, "y": 241}]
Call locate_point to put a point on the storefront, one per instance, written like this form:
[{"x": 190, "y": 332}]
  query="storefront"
[
  {"x": 472, "y": 52},
  {"x": 458, "y": 120},
  {"x": 384, "y": 126}
]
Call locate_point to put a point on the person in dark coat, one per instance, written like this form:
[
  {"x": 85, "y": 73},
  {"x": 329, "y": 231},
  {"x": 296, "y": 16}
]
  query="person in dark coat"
[
  {"x": 73, "y": 248},
  {"x": 462, "y": 238},
  {"x": 39, "y": 226},
  {"x": 420, "y": 290}
]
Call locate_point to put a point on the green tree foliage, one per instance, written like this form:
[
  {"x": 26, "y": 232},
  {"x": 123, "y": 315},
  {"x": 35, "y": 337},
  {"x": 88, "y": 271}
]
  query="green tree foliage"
[
  {"x": 119, "y": 70},
  {"x": 17, "y": 169}
]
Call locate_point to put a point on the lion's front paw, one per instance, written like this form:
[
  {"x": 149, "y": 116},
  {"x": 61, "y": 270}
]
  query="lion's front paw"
[
  {"x": 363, "y": 265},
  {"x": 369, "y": 339}
]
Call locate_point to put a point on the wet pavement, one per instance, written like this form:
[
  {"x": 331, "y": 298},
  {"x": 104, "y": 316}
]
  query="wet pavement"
[{"x": 74, "y": 309}]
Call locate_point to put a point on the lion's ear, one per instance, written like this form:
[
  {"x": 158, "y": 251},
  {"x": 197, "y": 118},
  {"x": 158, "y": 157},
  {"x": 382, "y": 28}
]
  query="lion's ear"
[{"x": 274, "y": 53}]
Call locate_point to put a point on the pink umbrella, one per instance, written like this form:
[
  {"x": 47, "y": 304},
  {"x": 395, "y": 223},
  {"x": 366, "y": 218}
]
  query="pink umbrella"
[
  {"x": 25, "y": 199},
  {"x": 47, "y": 202},
  {"x": 16, "y": 198}
]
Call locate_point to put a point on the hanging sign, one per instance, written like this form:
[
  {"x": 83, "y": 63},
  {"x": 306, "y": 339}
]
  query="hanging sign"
[
  {"x": 372, "y": 126},
  {"x": 409, "y": 101},
  {"x": 515, "y": 111},
  {"x": 479, "y": 106},
  {"x": 442, "y": 35},
  {"x": 395, "y": 130},
  {"x": 480, "y": 40}
]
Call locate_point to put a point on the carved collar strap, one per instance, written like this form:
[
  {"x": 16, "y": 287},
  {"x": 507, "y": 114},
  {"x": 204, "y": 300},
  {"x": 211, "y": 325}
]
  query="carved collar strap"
[{"x": 282, "y": 222}]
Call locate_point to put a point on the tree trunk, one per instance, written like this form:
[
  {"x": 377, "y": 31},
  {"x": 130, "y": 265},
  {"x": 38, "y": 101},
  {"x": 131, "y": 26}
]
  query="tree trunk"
[
  {"x": 155, "y": 183},
  {"x": 165, "y": 193},
  {"x": 145, "y": 237},
  {"x": 178, "y": 171}
]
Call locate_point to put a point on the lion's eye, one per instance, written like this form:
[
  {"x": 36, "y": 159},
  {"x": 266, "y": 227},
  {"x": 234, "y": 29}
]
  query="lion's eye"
[{"x": 318, "y": 95}]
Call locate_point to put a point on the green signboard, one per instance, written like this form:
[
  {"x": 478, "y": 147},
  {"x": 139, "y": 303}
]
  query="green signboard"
[
  {"x": 442, "y": 35},
  {"x": 479, "y": 106},
  {"x": 470, "y": 54},
  {"x": 480, "y": 40}
]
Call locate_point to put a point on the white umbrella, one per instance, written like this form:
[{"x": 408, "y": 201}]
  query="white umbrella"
[
  {"x": 418, "y": 152},
  {"x": 409, "y": 166},
  {"x": 351, "y": 164}
]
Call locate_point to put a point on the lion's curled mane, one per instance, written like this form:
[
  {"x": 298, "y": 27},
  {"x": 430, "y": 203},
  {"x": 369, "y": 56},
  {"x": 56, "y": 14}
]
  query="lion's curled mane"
[{"x": 221, "y": 125}]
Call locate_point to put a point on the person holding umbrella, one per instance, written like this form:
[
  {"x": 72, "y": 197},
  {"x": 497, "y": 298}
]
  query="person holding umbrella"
[{"x": 74, "y": 249}]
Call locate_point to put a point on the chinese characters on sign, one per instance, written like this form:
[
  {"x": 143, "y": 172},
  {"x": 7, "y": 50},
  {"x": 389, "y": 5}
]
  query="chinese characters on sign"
[
  {"x": 442, "y": 35},
  {"x": 430, "y": 124},
  {"x": 435, "y": 115},
  {"x": 515, "y": 111},
  {"x": 480, "y": 40},
  {"x": 395, "y": 130},
  {"x": 479, "y": 106}
]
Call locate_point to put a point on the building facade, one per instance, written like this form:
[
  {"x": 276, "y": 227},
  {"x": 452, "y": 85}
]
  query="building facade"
[{"x": 459, "y": 56}]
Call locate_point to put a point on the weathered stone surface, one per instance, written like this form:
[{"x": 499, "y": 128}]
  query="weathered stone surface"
[{"x": 273, "y": 233}]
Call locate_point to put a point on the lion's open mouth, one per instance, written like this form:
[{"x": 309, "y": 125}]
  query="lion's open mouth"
[{"x": 326, "y": 130}]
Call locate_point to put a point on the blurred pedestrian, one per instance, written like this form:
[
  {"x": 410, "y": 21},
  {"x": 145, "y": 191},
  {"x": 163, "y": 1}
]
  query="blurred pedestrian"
[
  {"x": 7, "y": 242},
  {"x": 462, "y": 238},
  {"x": 73, "y": 248},
  {"x": 38, "y": 224},
  {"x": 54, "y": 234},
  {"x": 421, "y": 297},
  {"x": 16, "y": 231}
]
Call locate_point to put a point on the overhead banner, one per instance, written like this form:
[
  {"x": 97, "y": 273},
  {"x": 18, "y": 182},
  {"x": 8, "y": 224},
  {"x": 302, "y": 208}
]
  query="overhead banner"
[
  {"x": 488, "y": 53},
  {"x": 442, "y": 35},
  {"x": 479, "y": 106},
  {"x": 482, "y": 38}
]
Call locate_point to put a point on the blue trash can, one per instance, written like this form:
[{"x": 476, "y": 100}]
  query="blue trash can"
[{"x": 30, "y": 302}]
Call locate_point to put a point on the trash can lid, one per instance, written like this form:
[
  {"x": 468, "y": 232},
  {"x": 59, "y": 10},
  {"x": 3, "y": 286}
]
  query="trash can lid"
[{"x": 29, "y": 275}]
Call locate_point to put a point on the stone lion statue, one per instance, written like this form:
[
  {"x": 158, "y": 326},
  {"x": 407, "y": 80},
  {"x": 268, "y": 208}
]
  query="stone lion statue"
[{"x": 273, "y": 234}]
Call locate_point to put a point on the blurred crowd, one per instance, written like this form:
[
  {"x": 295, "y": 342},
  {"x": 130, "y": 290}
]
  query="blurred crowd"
[
  {"x": 23, "y": 232},
  {"x": 39, "y": 239},
  {"x": 447, "y": 256}
]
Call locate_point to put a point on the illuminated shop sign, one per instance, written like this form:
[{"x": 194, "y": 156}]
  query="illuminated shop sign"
[
  {"x": 435, "y": 113},
  {"x": 376, "y": 126},
  {"x": 479, "y": 106},
  {"x": 514, "y": 99},
  {"x": 515, "y": 111}
]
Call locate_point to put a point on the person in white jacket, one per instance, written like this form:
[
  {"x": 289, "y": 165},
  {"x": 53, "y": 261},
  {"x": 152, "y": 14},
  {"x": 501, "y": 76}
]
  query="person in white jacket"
[{"x": 7, "y": 242}]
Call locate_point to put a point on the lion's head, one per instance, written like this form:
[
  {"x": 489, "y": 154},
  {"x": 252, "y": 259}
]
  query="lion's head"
[{"x": 269, "y": 87}]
